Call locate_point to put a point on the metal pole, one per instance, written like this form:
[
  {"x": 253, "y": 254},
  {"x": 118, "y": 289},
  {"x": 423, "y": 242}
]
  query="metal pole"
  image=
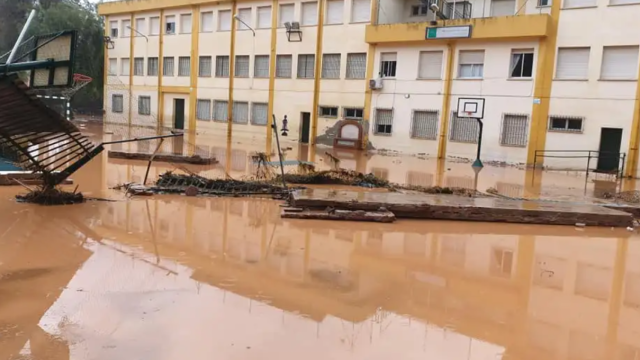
[
  {"x": 21, "y": 37},
  {"x": 274, "y": 126},
  {"x": 478, "y": 162},
  {"x": 588, "y": 164}
]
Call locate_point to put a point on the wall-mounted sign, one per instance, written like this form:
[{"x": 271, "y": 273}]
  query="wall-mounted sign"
[{"x": 448, "y": 32}]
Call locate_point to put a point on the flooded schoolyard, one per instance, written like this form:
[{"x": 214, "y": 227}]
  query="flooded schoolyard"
[{"x": 173, "y": 277}]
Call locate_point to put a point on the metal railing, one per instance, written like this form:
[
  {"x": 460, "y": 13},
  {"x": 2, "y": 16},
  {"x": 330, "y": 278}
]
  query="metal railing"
[{"x": 584, "y": 154}]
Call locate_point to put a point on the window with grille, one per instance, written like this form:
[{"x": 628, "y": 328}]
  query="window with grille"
[
  {"x": 126, "y": 28},
  {"x": 140, "y": 26},
  {"x": 388, "y": 62},
  {"x": 353, "y": 113},
  {"x": 331, "y": 66},
  {"x": 168, "y": 66},
  {"x": 383, "y": 122},
  {"x": 144, "y": 105},
  {"x": 184, "y": 66},
  {"x": 124, "y": 67},
  {"x": 245, "y": 16},
  {"x": 138, "y": 67},
  {"x": 430, "y": 65},
  {"x": 222, "y": 66},
  {"x": 572, "y": 63},
  {"x": 544, "y": 2},
  {"x": 185, "y": 24},
  {"x": 113, "y": 25},
  {"x": 514, "y": 130},
  {"x": 242, "y": 66},
  {"x": 286, "y": 14},
  {"x": 113, "y": 66},
  {"x": 261, "y": 66},
  {"x": 328, "y": 111},
  {"x": 419, "y": 10},
  {"x": 152, "y": 66},
  {"x": 309, "y": 13},
  {"x": 283, "y": 66},
  {"x": 224, "y": 20},
  {"x": 356, "y": 65},
  {"x": 360, "y": 11},
  {"x": 240, "y": 112},
  {"x": 204, "y": 67},
  {"x": 335, "y": 12},
  {"x": 424, "y": 124},
  {"x": 206, "y": 19},
  {"x": 154, "y": 25},
  {"x": 170, "y": 25},
  {"x": 521, "y": 64},
  {"x": 220, "y": 108},
  {"x": 259, "y": 113},
  {"x": 619, "y": 63},
  {"x": 306, "y": 64},
  {"x": 470, "y": 64},
  {"x": 117, "y": 103},
  {"x": 203, "y": 109},
  {"x": 463, "y": 129},
  {"x": 566, "y": 123},
  {"x": 264, "y": 17}
]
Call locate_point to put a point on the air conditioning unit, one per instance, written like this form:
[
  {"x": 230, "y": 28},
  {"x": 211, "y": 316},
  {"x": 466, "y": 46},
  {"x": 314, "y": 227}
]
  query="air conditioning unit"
[{"x": 375, "y": 84}]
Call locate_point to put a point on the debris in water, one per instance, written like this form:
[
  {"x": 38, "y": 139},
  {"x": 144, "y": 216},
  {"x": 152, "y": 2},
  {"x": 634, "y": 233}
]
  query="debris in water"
[
  {"x": 580, "y": 225},
  {"x": 51, "y": 196}
]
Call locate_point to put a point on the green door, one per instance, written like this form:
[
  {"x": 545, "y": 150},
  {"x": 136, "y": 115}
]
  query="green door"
[
  {"x": 178, "y": 114},
  {"x": 306, "y": 126},
  {"x": 609, "y": 155}
]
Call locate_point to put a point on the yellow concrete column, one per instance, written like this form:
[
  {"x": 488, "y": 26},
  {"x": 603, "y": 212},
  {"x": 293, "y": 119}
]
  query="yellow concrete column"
[
  {"x": 232, "y": 66},
  {"x": 131, "y": 61},
  {"x": 160, "y": 74},
  {"x": 631, "y": 167},
  {"x": 195, "y": 53},
  {"x": 272, "y": 74},
  {"x": 105, "y": 75},
  {"x": 371, "y": 54},
  {"x": 317, "y": 75},
  {"x": 542, "y": 88},
  {"x": 446, "y": 102}
]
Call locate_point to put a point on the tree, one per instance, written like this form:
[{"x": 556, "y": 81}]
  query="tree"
[{"x": 13, "y": 14}]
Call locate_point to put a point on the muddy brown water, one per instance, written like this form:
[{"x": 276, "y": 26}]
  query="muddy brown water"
[{"x": 171, "y": 277}]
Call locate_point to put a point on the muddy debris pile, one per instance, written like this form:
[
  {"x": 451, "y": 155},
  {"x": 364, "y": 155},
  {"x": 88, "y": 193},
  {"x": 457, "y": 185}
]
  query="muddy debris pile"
[
  {"x": 438, "y": 190},
  {"x": 193, "y": 184},
  {"x": 51, "y": 196},
  {"x": 336, "y": 177}
]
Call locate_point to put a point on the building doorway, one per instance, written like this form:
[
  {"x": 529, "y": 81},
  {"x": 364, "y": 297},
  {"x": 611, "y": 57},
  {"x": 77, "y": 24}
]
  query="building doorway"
[
  {"x": 305, "y": 127},
  {"x": 178, "y": 114},
  {"x": 609, "y": 156}
]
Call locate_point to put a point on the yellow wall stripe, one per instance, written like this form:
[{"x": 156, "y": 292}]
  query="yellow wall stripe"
[
  {"x": 318, "y": 74},
  {"x": 131, "y": 61},
  {"x": 160, "y": 74},
  {"x": 631, "y": 167},
  {"x": 446, "y": 102},
  {"x": 371, "y": 54},
  {"x": 195, "y": 51},
  {"x": 232, "y": 63},
  {"x": 272, "y": 72}
]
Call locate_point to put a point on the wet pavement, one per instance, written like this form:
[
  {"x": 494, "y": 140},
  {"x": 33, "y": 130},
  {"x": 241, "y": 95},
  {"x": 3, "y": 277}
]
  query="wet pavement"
[{"x": 171, "y": 277}]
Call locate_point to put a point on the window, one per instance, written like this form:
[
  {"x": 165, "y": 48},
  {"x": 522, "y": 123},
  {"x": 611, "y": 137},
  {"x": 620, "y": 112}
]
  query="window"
[
  {"x": 126, "y": 28},
  {"x": 619, "y": 63},
  {"x": 259, "y": 113},
  {"x": 244, "y": 15},
  {"x": 124, "y": 67},
  {"x": 463, "y": 129},
  {"x": 335, "y": 12},
  {"x": 360, "y": 11},
  {"x": 305, "y": 66},
  {"x": 224, "y": 20},
  {"x": 154, "y": 25},
  {"x": 353, "y": 113},
  {"x": 113, "y": 66},
  {"x": 283, "y": 66},
  {"x": 152, "y": 66},
  {"x": 170, "y": 25},
  {"x": 521, "y": 64},
  {"x": 458, "y": 10},
  {"x": 184, "y": 66},
  {"x": 419, "y": 10},
  {"x": 331, "y": 66},
  {"x": 328, "y": 111},
  {"x": 424, "y": 124},
  {"x": 144, "y": 105},
  {"x": 220, "y": 108},
  {"x": 168, "y": 66},
  {"x": 471, "y": 64},
  {"x": 544, "y": 2},
  {"x": 514, "y": 130},
  {"x": 503, "y": 7},
  {"x": 140, "y": 26},
  {"x": 113, "y": 25},
  {"x": 356, "y": 65},
  {"x": 204, "y": 67},
  {"x": 261, "y": 66},
  {"x": 240, "y": 112},
  {"x": 573, "y": 63},
  {"x": 622, "y": 2},
  {"x": 242, "y": 66},
  {"x": 185, "y": 24},
  {"x": 264, "y": 17},
  {"x": 430, "y": 65},
  {"x": 566, "y": 123},
  {"x": 286, "y": 14},
  {"x": 383, "y": 122},
  {"x": 117, "y": 103},
  {"x": 309, "y": 13},
  {"x": 568, "y": 4},
  {"x": 222, "y": 66},
  {"x": 206, "y": 21},
  {"x": 138, "y": 67},
  {"x": 388, "y": 64},
  {"x": 203, "y": 110}
]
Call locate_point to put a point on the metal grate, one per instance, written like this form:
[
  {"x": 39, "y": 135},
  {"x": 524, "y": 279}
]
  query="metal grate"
[
  {"x": 261, "y": 66},
  {"x": 184, "y": 66},
  {"x": 144, "y": 105},
  {"x": 168, "y": 66},
  {"x": 117, "y": 103},
  {"x": 306, "y": 66},
  {"x": 222, "y": 66},
  {"x": 514, "y": 130},
  {"x": 242, "y": 66},
  {"x": 203, "y": 110},
  {"x": 283, "y": 66},
  {"x": 220, "y": 110},
  {"x": 463, "y": 129},
  {"x": 331, "y": 66},
  {"x": 356, "y": 65},
  {"x": 204, "y": 67},
  {"x": 259, "y": 114},
  {"x": 424, "y": 124},
  {"x": 384, "y": 122},
  {"x": 152, "y": 66},
  {"x": 138, "y": 67},
  {"x": 573, "y": 124},
  {"x": 240, "y": 112}
]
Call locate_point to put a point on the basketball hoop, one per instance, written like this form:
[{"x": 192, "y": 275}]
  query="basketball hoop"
[{"x": 79, "y": 81}]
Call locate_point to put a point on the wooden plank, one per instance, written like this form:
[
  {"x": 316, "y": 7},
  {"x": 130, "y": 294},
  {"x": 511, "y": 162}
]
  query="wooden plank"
[
  {"x": 357, "y": 215},
  {"x": 179, "y": 159}
]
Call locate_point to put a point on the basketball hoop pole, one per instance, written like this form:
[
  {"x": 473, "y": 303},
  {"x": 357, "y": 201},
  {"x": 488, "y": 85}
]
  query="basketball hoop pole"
[{"x": 478, "y": 163}]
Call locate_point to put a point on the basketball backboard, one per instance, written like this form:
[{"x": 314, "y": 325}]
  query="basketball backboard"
[
  {"x": 470, "y": 108},
  {"x": 61, "y": 48}
]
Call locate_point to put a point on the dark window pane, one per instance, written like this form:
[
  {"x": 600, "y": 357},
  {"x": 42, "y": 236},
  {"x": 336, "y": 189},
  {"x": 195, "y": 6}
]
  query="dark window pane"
[
  {"x": 575, "y": 125},
  {"x": 527, "y": 67},
  {"x": 557, "y": 123}
]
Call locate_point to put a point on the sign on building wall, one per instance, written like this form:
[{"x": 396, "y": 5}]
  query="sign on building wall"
[{"x": 448, "y": 32}]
